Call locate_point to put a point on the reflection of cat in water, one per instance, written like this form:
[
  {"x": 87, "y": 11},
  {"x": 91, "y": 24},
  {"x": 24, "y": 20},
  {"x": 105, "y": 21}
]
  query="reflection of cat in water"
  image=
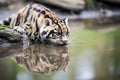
[{"x": 43, "y": 59}]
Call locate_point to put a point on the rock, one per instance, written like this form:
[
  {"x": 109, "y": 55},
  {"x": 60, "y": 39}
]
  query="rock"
[
  {"x": 12, "y": 37},
  {"x": 6, "y": 3},
  {"x": 112, "y": 1},
  {"x": 66, "y": 4}
]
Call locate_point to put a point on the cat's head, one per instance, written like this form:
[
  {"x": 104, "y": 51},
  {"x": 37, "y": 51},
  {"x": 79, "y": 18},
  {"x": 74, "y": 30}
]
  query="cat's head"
[{"x": 55, "y": 32}]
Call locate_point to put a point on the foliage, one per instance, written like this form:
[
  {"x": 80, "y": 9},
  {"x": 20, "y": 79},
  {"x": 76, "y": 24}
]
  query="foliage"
[
  {"x": 3, "y": 27},
  {"x": 90, "y": 3}
]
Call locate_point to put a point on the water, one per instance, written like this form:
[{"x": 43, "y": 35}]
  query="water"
[{"x": 90, "y": 55}]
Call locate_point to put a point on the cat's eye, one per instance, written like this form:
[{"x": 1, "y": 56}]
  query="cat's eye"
[
  {"x": 54, "y": 36},
  {"x": 58, "y": 33}
]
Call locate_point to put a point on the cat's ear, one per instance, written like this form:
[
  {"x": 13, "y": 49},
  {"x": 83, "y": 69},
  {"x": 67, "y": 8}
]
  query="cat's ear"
[
  {"x": 66, "y": 21},
  {"x": 47, "y": 22}
]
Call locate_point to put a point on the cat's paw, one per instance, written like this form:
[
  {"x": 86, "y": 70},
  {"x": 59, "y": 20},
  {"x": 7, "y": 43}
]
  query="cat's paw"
[{"x": 19, "y": 29}]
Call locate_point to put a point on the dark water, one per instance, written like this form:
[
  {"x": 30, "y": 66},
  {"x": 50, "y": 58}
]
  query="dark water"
[{"x": 90, "y": 55}]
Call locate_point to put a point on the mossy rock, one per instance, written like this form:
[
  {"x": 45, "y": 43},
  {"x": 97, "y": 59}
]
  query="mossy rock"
[
  {"x": 10, "y": 36},
  {"x": 3, "y": 27}
]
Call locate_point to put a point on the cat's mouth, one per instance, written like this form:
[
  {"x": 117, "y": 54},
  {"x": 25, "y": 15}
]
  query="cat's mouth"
[
  {"x": 56, "y": 42},
  {"x": 62, "y": 43}
]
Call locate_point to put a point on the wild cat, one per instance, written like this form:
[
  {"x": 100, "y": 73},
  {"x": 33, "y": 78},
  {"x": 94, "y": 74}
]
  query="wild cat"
[{"x": 40, "y": 24}]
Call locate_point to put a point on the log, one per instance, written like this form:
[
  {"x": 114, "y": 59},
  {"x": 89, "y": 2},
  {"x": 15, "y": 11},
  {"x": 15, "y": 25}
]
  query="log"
[{"x": 66, "y": 4}]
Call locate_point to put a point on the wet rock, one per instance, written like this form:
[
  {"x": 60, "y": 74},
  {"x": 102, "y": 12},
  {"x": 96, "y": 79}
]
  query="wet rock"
[{"x": 12, "y": 37}]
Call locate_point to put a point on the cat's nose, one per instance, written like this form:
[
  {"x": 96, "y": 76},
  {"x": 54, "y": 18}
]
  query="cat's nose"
[{"x": 65, "y": 42}]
